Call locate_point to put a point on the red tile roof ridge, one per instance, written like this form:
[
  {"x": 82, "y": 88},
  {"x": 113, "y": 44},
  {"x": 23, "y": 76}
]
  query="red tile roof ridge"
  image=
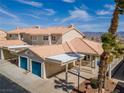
[{"x": 49, "y": 30}]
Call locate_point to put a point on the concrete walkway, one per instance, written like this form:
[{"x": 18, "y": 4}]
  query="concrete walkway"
[{"x": 35, "y": 84}]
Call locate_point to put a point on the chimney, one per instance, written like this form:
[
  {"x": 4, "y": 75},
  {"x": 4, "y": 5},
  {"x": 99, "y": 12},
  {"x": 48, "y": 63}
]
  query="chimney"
[
  {"x": 71, "y": 26},
  {"x": 38, "y": 27},
  {"x": 17, "y": 27}
]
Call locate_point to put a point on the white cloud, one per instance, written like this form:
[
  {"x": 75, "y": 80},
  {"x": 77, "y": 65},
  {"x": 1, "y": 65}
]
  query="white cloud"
[
  {"x": 69, "y": 1},
  {"x": 50, "y": 11},
  {"x": 77, "y": 14},
  {"x": 30, "y": 2},
  {"x": 5, "y": 12},
  {"x": 108, "y": 6},
  {"x": 32, "y": 15},
  {"x": 103, "y": 12},
  {"x": 107, "y": 11},
  {"x": 47, "y": 12}
]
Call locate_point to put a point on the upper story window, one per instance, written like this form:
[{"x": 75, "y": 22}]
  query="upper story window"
[
  {"x": 10, "y": 35},
  {"x": 14, "y": 35},
  {"x": 34, "y": 38},
  {"x": 53, "y": 38},
  {"x": 45, "y": 37}
]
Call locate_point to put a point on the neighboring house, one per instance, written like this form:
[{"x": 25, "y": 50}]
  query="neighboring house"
[
  {"x": 3, "y": 35},
  {"x": 44, "y": 36},
  {"x": 48, "y": 60}
]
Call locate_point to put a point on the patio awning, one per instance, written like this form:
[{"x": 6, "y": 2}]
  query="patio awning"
[
  {"x": 65, "y": 58},
  {"x": 18, "y": 46}
]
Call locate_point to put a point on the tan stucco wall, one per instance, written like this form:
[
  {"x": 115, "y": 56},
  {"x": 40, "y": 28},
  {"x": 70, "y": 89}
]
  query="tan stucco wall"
[
  {"x": 13, "y": 37},
  {"x": 27, "y": 38},
  {"x": 40, "y": 40},
  {"x": 71, "y": 35},
  {"x": 3, "y": 35},
  {"x": 54, "y": 68},
  {"x": 30, "y": 55}
]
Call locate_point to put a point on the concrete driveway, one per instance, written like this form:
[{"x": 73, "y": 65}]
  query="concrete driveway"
[{"x": 35, "y": 84}]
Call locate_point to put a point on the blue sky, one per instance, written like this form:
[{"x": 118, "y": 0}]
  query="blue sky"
[{"x": 86, "y": 15}]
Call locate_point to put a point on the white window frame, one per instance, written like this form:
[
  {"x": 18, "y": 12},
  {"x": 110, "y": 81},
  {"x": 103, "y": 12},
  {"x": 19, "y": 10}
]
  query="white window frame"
[
  {"x": 53, "y": 38},
  {"x": 44, "y": 38},
  {"x": 34, "y": 38}
]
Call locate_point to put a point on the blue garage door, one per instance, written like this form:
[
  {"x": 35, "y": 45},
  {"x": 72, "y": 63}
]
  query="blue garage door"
[
  {"x": 23, "y": 63},
  {"x": 36, "y": 68}
]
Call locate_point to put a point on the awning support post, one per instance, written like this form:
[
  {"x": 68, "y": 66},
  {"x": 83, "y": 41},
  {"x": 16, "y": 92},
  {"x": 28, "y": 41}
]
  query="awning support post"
[
  {"x": 80, "y": 64},
  {"x": 66, "y": 75},
  {"x": 2, "y": 54}
]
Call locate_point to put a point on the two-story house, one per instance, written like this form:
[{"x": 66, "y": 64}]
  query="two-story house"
[
  {"x": 45, "y": 36},
  {"x": 55, "y": 45}
]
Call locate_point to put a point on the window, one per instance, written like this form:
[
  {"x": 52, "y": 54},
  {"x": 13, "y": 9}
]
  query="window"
[
  {"x": 10, "y": 35},
  {"x": 15, "y": 35},
  {"x": 45, "y": 37},
  {"x": 34, "y": 38},
  {"x": 87, "y": 57},
  {"x": 53, "y": 38}
]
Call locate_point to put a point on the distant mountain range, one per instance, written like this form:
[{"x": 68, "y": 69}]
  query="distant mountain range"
[{"x": 98, "y": 34}]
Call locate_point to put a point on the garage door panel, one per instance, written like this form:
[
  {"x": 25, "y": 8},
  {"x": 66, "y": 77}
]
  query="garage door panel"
[
  {"x": 23, "y": 63},
  {"x": 36, "y": 68}
]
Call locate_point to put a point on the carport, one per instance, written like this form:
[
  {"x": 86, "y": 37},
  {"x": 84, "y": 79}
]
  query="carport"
[
  {"x": 65, "y": 59},
  {"x": 17, "y": 48},
  {"x": 12, "y": 48}
]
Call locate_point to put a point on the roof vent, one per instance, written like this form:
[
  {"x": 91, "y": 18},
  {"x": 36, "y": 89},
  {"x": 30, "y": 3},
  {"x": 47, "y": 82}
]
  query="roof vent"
[{"x": 71, "y": 26}]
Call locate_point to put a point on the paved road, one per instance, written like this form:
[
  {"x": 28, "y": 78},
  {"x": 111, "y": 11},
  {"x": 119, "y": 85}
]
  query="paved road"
[
  {"x": 119, "y": 75},
  {"x": 8, "y": 86}
]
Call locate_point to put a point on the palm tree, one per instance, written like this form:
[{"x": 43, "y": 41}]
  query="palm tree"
[{"x": 110, "y": 44}]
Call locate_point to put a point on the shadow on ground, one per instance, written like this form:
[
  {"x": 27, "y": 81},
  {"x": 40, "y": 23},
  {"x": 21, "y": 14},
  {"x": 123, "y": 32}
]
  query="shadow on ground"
[
  {"x": 61, "y": 84},
  {"x": 8, "y": 86}
]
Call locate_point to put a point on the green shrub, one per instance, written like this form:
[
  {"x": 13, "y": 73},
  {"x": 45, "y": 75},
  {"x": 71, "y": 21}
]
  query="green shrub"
[{"x": 94, "y": 83}]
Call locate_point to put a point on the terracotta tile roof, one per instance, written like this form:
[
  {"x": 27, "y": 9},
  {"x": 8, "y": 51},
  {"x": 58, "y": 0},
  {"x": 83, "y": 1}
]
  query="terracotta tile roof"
[
  {"x": 97, "y": 47},
  {"x": 37, "y": 31},
  {"x": 76, "y": 45},
  {"x": 49, "y": 50},
  {"x": 81, "y": 46},
  {"x": 4, "y": 43}
]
